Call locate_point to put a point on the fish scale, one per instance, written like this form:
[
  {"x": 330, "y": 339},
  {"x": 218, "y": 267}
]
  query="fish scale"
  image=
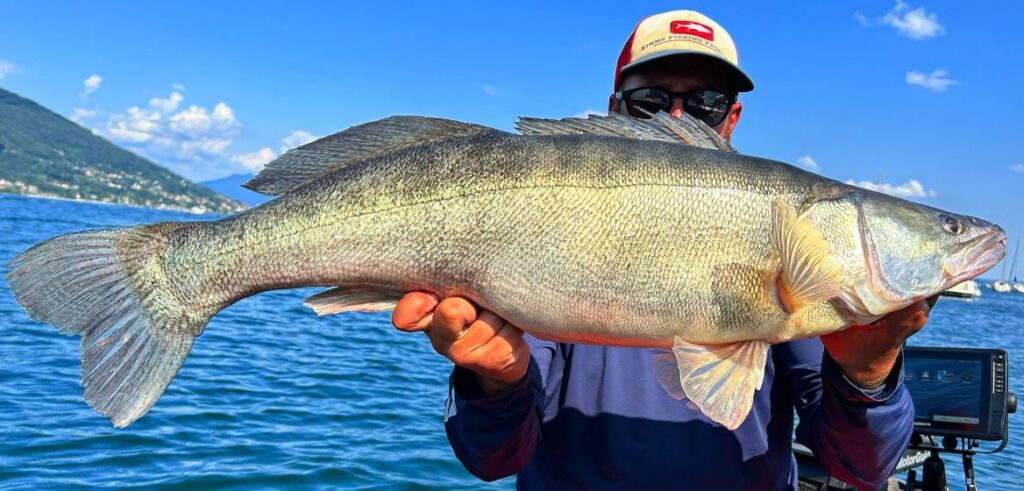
[{"x": 570, "y": 232}]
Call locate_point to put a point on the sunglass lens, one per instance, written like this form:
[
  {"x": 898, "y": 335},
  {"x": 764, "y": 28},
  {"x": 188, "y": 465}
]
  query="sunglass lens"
[
  {"x": 708, "y": 106},
  {"x": 650, "y": 100}
]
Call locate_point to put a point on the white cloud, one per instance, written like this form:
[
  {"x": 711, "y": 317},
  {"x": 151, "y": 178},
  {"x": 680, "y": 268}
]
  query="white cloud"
[
  {"x": 912, "y": 23},
  {"x": 296, "y": 138},
  {"x": 210, "y": 146},
  {"x": 223, "y": 114},
  {"x": 7, "y": 68},
  {"x": 1018, "y": 168},
  {"x": 168, "y": 104},
  {"x": 135, "y": 125},
  {"x": 808, "y": 163},
  {"x": 191, "y": 139},
  {"x": 936, "y": 81},
  {"x": 910, "y": 189},
  {"x": 92, "y": 84},
  {"x": 178, "y": 87},
  {"x": 587, "y": 112},
  {"x": 254, "y": 161},
  {"x": 490, "y": 90},
  {"x": 79, "y": 114},
  {"x": 197, "y": 121},
  {"x": 194, "y": 141}
]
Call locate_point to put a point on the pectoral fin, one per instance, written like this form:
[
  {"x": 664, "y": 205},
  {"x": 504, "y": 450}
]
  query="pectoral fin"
[
  {"x": 810, "y": 273},
  {"x": 718, "y": 379},
  {"x": 341, "y": 299}
]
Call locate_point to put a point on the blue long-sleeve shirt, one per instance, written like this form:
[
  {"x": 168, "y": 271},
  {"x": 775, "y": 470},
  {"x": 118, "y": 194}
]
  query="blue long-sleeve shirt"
[{"x": 594, "y": 417}]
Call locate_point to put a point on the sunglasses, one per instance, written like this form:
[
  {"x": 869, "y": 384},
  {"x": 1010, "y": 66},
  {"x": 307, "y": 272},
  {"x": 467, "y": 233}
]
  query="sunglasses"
[{"x": 708, "y": 105}]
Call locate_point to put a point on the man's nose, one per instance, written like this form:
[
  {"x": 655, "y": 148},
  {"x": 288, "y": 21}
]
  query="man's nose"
[{"x": 677, "y": 107}]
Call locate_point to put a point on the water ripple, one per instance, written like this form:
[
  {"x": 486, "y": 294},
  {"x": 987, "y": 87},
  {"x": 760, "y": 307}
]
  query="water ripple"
[{"x": 276, "y": 397}]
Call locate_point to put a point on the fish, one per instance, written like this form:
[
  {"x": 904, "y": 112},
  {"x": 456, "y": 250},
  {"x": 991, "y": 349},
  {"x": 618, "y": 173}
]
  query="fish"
[{"x": 608, "y": 230}]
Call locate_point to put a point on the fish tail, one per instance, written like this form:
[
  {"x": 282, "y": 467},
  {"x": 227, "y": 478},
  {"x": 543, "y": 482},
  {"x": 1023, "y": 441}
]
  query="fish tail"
[{"x": 110, "y": 286}]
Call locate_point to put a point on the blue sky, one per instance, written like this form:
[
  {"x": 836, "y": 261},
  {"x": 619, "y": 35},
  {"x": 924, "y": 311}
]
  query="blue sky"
[{"x": 253, "y": 78}]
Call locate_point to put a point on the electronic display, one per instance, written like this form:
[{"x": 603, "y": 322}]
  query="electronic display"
[{"x": 960, "y": 392}]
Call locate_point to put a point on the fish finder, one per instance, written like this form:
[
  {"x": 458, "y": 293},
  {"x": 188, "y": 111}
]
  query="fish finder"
[
  {"x": 962, "y": 396},
  {"x": 960, "y": 392}
]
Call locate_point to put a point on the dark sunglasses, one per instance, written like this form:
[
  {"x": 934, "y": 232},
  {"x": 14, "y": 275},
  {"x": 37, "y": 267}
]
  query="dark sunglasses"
[{"x": 707, "y": 105}]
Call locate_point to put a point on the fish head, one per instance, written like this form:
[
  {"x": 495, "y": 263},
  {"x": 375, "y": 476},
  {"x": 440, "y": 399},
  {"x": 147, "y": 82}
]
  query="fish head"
[
  {"x": 896, "y": 252},
  {"x": 916, "y": 251}
]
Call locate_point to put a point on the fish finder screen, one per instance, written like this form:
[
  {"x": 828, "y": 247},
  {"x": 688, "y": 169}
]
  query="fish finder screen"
[{"x": 946, "y": 392}]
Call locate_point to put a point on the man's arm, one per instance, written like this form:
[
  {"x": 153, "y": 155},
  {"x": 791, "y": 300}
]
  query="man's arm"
[
  {"x": 857, "y": 417},
  {"x": 493, "y": 414},
  {"x": 494, "y": 436}
]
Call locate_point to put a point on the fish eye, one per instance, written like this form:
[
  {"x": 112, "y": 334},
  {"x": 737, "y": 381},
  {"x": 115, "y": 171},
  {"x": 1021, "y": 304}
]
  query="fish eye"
[{"x": 952, "y": 225}]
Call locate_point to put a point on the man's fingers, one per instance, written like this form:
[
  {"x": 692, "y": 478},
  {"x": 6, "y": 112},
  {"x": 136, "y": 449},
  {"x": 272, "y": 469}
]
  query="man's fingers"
[
  {"x": 504, "y": 353},
  {"x": 478, "y": 333},
  {"x": 505, "y": 340},
  {"x": 914, "y": 316},
  {"x": 451, "y": 317},
  {"x": 904, "y": 323},
  {"x": 480, "y": 341},
  {"x": 414, "y": 311},
  {"x": 917, "y": 318}
]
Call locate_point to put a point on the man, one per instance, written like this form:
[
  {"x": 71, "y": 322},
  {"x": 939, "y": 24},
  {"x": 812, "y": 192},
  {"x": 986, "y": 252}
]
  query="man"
[{"x": 592, "y": 417}]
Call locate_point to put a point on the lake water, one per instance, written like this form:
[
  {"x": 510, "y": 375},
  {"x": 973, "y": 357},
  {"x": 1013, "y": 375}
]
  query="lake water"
[{"x": 273, "y": 396}]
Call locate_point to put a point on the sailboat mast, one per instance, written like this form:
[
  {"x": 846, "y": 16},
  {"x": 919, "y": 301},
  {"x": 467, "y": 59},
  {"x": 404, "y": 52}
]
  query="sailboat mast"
[{"x": 1013, "y": 266}]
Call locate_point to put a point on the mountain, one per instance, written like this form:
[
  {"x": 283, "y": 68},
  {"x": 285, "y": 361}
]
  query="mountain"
[
  {"x": 231, "y": 186},
  {"x": 44, "y": 154}
]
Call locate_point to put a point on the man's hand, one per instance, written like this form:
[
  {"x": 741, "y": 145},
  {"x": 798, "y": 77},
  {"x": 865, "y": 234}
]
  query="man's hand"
[
  {"x": 866, "y": 354},
  {"x": 481, "y": 341}
]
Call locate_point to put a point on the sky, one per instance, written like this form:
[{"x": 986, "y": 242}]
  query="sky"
[{"x": 921, "y": 100}]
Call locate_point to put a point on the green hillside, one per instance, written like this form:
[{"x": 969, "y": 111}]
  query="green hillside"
[{"x": 44, "y": 154}]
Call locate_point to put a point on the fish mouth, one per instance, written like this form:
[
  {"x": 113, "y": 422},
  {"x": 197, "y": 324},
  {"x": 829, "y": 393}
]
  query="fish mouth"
[{"x": 978, "y": 255}]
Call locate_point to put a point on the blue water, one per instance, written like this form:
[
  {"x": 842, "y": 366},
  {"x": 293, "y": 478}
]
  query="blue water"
[{"x": 273, "y": 396}]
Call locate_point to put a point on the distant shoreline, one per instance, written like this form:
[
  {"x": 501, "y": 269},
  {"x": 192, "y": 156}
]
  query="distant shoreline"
[{"x": 97, "y": 202}]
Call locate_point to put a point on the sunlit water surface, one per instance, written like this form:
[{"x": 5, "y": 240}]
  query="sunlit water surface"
[{"x": 273, "y": 396}]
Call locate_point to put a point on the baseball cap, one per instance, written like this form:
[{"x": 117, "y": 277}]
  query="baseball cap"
[{"x": 681, "y": 33}]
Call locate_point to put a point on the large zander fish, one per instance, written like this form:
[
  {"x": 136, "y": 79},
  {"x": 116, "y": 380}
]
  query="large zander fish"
[{"x": 607, "y": 230}]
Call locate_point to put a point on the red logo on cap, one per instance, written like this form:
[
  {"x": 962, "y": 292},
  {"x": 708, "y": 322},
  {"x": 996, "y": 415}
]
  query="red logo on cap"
[{"x": 692, "y": 28}]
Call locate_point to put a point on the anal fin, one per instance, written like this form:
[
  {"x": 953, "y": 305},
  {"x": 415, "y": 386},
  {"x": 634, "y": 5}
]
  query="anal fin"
[
  {"x": 342, "y": 299},
  {"x": 719, "y": 379},
  {"x": 666, "y": 372}
]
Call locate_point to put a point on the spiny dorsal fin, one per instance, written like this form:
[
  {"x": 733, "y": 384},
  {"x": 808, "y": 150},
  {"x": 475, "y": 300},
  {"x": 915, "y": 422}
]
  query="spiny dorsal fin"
[
  {"x": 662, "y": 127},
  {"x": 300, "y": 165}
]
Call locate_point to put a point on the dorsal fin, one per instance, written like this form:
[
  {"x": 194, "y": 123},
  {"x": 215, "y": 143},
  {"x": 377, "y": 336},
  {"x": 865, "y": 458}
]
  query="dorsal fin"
[
  {"x": 661, "y": 126},
  {"x": 300, "y": 165}
]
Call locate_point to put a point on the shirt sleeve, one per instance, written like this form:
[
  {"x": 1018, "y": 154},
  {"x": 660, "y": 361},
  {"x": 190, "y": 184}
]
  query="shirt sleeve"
[
  {"x": 495, "y": 436},
  {"x": 857, "y": 435}
]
